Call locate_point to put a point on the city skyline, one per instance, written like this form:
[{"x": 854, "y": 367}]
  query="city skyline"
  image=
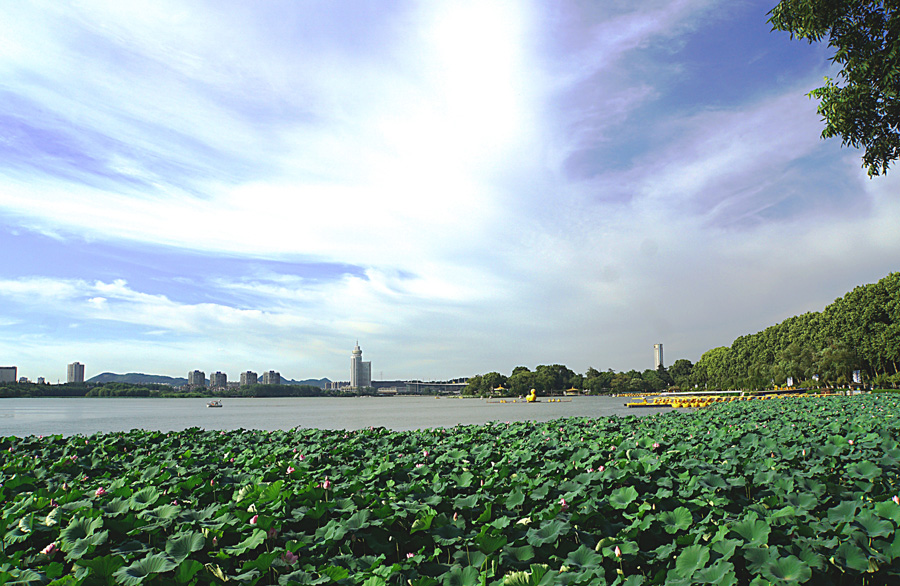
[{"x": 466, "y": 187}]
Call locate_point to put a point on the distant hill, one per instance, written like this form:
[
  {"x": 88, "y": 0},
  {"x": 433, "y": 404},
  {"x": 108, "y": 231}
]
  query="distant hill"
[
  {"x": 313, "y": 382},
  {"x": 136, "y": 378}
]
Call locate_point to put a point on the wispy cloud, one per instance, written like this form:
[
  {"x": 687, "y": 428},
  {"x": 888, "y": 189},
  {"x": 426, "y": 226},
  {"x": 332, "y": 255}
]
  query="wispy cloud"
[{"x": 470, "y": 186}]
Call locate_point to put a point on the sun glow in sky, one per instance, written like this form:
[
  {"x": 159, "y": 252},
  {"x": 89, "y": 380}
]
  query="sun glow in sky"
[{"x": 462, "y": 187}]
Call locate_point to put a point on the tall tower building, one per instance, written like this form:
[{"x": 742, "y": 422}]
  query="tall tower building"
[
  {"x": 271, "y": 378},
  {"x": 7, "y": 374},
  {"x": 75, "y": 373},
  {"x": 360, "y": 372},
  {"x": 657, "y": 356},
  {"x": 248, "y": 378},
  {"x": 197, "y": 378},
  {"x": 218, "y": 380}
]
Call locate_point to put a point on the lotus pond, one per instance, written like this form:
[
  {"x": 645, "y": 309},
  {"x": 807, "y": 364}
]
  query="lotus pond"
[{"x": 767, "y": 492}]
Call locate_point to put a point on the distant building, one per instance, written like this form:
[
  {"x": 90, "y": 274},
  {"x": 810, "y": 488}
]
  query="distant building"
[
  {"x": 218, "y": 380},
  {"x": 248, "y": 378},
  {"x": 197, "y": 378},
  {"x": 360, "y": 372},
  {"x": 41, "y": 381},
  {"x": 75, "y": 373},
  {"x": 23, "y": 379},
  {"x": 8, "y": 374},
  {"x": 271, "y": 378},
  {"x": 657, "y": 356}
]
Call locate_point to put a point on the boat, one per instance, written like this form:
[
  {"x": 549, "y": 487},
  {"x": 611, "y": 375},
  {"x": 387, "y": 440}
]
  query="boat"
[{"x": 214, "y": 404}]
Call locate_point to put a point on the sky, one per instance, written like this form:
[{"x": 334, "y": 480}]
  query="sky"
[{"x": 461, "y": 187}]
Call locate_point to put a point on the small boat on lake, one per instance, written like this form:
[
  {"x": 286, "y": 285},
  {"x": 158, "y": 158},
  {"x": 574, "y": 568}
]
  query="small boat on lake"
[{"x": 214, "y": 404}]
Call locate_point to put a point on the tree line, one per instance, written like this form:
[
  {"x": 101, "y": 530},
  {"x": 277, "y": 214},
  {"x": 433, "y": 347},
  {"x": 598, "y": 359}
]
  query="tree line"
[{"x": 857, "y": 332}]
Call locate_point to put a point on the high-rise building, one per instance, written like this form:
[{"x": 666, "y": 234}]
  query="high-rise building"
[
  {"x": 8, "y": 374},
  {"x": 248, "y": 378},
  {"x": 657, "y": 356},
  {"x": 271, "y": 378},
  {"x": 75, "y": 373},
  {"x": 218, "y": 380},
  {"x": 360, "y": 372},
  {"x": 41, "y": 381},
  {"x": 197, "y": 378}
]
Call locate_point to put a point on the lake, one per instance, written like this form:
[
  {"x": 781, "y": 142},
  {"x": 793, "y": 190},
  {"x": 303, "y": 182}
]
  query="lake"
[{"x": 71, "y": 416}]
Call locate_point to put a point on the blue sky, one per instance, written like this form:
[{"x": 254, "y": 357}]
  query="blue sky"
[{"x": 460, "y": 186}]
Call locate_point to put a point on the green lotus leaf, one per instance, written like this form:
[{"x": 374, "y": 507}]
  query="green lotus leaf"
[
  {"x": 677, "y": 520},
  {"x": 788, "y": 569},
  {"x": 488, "y": 543},
  {"x": 864, "y": 469},
  {"x": 755, "y": 532},
  {"x": 721, "y": 573},
  {"x": 845, "y": 512},
  {"x": 523, "y": 553},
  {"x": 851, "y": 556},
  {"x": 463, "y": 503},
  {"x": 257, "y": 538},
  {"x": 620, "y": 498},
  {"x": 691, "y": 559},
  {"x": 144, "y": 498},
  {"x": 136, "y": 573},
  {"x": 78, "y": 528},
  {"x": 548, "y": 532},
  {"x": 422, "y": 522},
  {"x": 26, "y": 577},
  {"x": 102, "y": 567},
  {"x": 458, "y": 576},
  {"x": 584, "y": 557},
  {"x": 358, "y": 520},
  {"x": 179, "y": 547},
  {"x": 336, "y": 573},
  {"x": 515, "y": 499}
]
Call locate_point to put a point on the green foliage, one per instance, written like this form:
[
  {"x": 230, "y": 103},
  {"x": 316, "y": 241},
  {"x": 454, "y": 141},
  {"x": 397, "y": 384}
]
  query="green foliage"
[
  {"x": 860, "y": 331},
  {"x": 862, "y": 106},
  {"x": 781, "y": 492}
]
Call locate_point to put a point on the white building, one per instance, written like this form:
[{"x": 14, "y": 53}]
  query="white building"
[
  {"x": 218, "y": 380},
  {"x": 197, "y": 378},
  {"x": 8, "y": 374},
  {"x": 75, "y": 373},
  {"x": 360, "y": 372},
  {"x": 657, "y": 356},
  {"x": 248, "y": 378}
]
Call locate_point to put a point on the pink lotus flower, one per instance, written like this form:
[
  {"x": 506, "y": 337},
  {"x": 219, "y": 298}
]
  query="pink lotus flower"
[
  {"x": 850, "y": 442},
  {"x": 896, "y": 499},
  {"x": 290, "y": 558},
  {"x": 655, "y": 445},
  {"x": 409, "y": 555},
  {"x": 300, "y": 457},
  {"x": 50, "y": 549},
  {"x": 100, "y": 491},
  {"x": 326, "y": 484},
  {"x": 601, "y": 468},
  {"x": 425, "y": 453},
  {"x": 618, "y": 552},
  {"x": 212, "y": 482},
  {"x": 253, "y": 519},
  {"x": 419, "y": 465},
  {"x": 563, "y": 505},
  {"x": 290, "y": 470},
  {"x": 272, "y": 533}
]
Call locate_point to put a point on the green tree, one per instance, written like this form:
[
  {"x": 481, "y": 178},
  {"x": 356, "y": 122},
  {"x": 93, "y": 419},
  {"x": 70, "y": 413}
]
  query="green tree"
[{"x": 862, "y": 106}]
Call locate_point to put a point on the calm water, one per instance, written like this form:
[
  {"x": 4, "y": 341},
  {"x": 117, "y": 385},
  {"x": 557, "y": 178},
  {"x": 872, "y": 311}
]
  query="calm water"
[{"x": 70, "y": 416}]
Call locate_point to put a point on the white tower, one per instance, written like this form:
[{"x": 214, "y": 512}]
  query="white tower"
[
  {"x": 657, "y": 356},
  {"x": 360, "y": 372}
]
